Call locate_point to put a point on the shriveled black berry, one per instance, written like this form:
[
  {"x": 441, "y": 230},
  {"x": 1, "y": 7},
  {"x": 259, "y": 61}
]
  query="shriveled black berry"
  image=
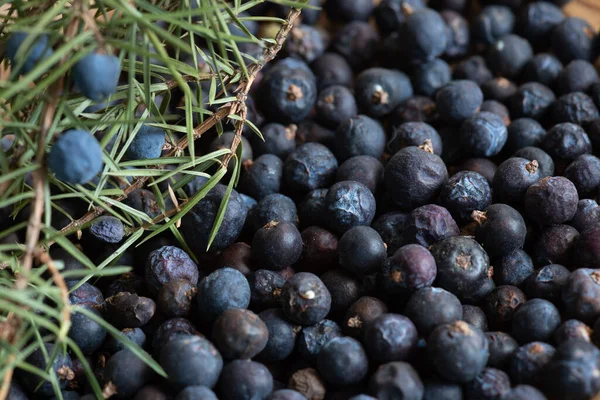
[
  {"x": 475, "y": 316},
  {"x": 458, "y": 100},
  {"x": 312, "y": 338},
  {"x": 566, "y": 141},
  {"x": 345, "y": 288},
  {"x": 465, "y": 192},
  {"x": 501, "y": 304},
  {"x": 127, "y": 310},
  {"x": 360, "y": 315},
  {"x": 572, "y": 329},
  {"x": 379, "y": 90},
  {"x": 430, "y": 307},
  {"x": 281, "y": 336},
  {"x": 414, "y": 134},
  {"x": 535, "y": 320},
  {"x": 491, "y": 383},
  {"x": 311, "y": 166},
  {"x": 169, "y": 263},
  {"x": 390, "y": 337},
  {"x": 396, "y": 379},
  {"x": 528, "y": 363},
  {"x": 245, "y": 380},
  {"x": 265, "y": 289},
  {"x": 576, "y": 107},
  {"x": 367, "y": 170},
  {"x": 573, "y": 39},
  {"x": 413, "y": 177},
  {"x": 532, "y": 100},
  {"x": 551, "y": 201},
  {"x": 239, "y": 333},
  {"x": 105, "y": 230},
  {"x": 349, "y": 204},
  {"x": 305, "y": 299},
  {"x": 458, "y": 351},
  {"x": 513, "y": 268},
  {"x": 502, "y": 346},
  {"x": 343, "y": 361},
  {"x": 483, "y": 134},
  {"x": 175, "y": 298},
  {"x": 512, "y": 179},
  {"x": 427, "y": 225},
  {"x": 319, "y": 250},
  {"x": 543, "y": 68},
  {"x": 277, "y": 245},
  {"x": 543, "y": 159},
  {"x": 492, "y": 23},
  {"x": 411, "y": 267},
  {"x": 462, "y": 265},
  {"x": 359, "y": 136}
]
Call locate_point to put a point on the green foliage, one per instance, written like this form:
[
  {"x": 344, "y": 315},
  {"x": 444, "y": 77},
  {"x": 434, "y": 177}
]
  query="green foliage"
[{"x": 167, "y": 49}]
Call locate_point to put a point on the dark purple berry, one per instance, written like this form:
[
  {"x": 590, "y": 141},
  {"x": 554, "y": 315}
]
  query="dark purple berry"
[
  {"x": 239, "y": 333},
  {"x": 304, "y": 299}
]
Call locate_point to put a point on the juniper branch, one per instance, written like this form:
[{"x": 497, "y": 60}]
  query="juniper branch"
[
  {"x": 34, "y": 224},
  {"x": 242, "y": 91}
]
